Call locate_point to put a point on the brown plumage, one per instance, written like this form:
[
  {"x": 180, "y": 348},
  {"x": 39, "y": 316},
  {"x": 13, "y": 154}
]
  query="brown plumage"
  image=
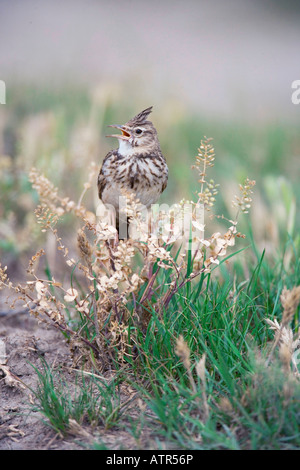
[{"x": 137, "y": 166}]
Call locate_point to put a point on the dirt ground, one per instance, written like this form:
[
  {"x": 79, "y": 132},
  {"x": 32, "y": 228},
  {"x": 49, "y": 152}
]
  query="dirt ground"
[
  {"x": 21, "y": 428},
  {"x": 25, "y": 342}
]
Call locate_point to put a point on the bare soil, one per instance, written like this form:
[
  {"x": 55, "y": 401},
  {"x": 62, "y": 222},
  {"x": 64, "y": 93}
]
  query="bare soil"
[
  {"x": 22, "y": 428},
  {"x": 26, "y": 342}
]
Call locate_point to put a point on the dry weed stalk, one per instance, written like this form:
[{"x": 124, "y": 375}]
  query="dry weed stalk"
[
  {"x": 204, "y": 160},
  {"x": 200, "y": 369},
  {"x": 116, "y": 289},
  {"x": 182, "y": 350},
  {"x": 284, "y": 336}
]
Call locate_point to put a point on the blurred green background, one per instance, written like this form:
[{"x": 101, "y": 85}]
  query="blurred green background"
[{"x": 217, "y": 69}]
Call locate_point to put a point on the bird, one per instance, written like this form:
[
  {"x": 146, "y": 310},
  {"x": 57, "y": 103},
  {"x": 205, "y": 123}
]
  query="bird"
[{"x": 137, "y": 166}]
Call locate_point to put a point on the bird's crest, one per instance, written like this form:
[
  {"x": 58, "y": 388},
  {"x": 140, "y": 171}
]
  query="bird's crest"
[{"x": 141, "y": 117}]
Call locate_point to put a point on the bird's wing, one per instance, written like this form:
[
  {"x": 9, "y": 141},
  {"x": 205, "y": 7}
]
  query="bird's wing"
[
  {"x": 164, "y": 185},
  {"x": 102, "y": 177},
  {"x": 101, "y": 184}
]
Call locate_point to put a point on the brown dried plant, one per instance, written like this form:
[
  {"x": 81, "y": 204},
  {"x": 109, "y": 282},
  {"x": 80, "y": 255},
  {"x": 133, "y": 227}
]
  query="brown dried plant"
[
  {"x": 119, "y": 280},
  {"x": 284, "y": 337},
  {"x": 182, "y": 350}
]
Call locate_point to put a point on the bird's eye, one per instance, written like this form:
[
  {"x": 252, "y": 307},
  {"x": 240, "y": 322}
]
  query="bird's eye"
[{"x": 138, "y": 131}]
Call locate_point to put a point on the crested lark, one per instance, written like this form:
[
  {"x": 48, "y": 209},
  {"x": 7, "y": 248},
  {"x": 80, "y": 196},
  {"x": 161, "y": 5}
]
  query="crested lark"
[{"x": 137, "y": 166}]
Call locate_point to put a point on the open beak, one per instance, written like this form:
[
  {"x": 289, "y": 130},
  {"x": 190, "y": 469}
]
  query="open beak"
[{"x": 125, "y": 132}]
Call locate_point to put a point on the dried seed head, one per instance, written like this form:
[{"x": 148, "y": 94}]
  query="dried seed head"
[
  {"x": 289, "y": 300},
  {"x": 71, "y": 295},
  {"x": 200, "y": 368},
  {"x": 182, "y": 350},
  {"x": 285, "y": 356},
  {"x": 40, "y": 288},
  {"x": 84, "y": 246},
  {"x": 3, "y": 276},
  {"x": 244, "y": 201},
  {"x": 225, "y": 405}
]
